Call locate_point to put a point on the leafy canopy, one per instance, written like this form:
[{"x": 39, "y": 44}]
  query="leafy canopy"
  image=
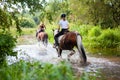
[{"x": 10, "y": 8}]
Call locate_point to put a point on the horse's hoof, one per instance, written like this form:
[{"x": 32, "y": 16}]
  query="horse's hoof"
[
  {"x": 59, "y": 56},
  {"x": 84, "y": 63}
]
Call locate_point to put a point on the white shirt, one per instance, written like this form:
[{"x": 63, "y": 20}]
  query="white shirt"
[{"x": 63, "y": 24}]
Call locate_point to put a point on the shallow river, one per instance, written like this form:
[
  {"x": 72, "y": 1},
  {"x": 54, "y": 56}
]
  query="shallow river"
[{"x": 109, "y": 67}]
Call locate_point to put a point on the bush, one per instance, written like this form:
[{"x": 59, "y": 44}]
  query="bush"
[
  {"x": 37, "y": 20},
  {"x": 26, "y": 22},
  {"x": 94, "y": 32},
  {"x": 7, "y": 43},
  {"x": 98, "y": 38},
  {"x": 37, "y": 71},
  {"x": 40, "y": 71},
  {"x": 109, "y": 39}
]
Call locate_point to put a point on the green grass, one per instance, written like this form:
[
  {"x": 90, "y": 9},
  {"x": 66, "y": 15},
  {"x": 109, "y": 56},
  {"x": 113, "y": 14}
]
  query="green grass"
[{"x": 25, "y": 31}]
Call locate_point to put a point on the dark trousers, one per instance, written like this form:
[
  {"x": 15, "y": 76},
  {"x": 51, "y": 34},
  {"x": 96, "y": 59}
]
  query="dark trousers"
[{"x": 59, "y": 34}]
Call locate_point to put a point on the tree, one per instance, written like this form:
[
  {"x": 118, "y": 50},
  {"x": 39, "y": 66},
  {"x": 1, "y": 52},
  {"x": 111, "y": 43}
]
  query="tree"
[
  {"x": 53, "y": 10},
  {"x": 105, "y": 13},
  {"x": 79, "y": 11},
  {"x": 9, "y": 9}
]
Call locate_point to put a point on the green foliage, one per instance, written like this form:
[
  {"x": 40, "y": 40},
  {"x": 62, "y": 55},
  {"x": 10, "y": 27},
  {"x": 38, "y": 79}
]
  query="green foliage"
[
  {"x": 107, "y": 14},
  {"x": 37, "y": 71},
  {"x": 79, "y": 11},
  {"x": 40, "y": 71},
  {"x": 50, "y": 32},
  {"x": 109, "y": 38},
  {"x": 88, "y": 12},
  {"x": 54, "y": 9},
  {"x": 87, "y": 76},
  {"x": 95, "y": 32},
  {"x": 11, "y": 8},
  {"x": 36, "y": 19},
  {"x": 82, "y": 29},
  {"x": 26, "y": 22},
  {"x": 5, "y": 20},
  {"x": 7, "y": 43}
]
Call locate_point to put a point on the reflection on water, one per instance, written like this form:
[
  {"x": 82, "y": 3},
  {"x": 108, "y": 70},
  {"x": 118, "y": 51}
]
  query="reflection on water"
[{"x": 109, "y": 69}]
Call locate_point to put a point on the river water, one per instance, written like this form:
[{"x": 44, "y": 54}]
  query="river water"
[{"x": 109, "y": 67}]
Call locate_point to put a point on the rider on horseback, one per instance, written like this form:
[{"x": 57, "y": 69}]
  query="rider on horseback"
[
  {"x": 64, "y": 25},
  {"x": 41, "y": 29}
]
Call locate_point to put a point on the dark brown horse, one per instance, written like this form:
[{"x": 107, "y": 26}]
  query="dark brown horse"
[
  {"x": 68, "y": 41},
  {"x": 43, "y": 37}
]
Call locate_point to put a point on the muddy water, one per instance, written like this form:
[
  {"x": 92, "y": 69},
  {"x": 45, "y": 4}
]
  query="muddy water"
[{"x": 110, "y": 68}]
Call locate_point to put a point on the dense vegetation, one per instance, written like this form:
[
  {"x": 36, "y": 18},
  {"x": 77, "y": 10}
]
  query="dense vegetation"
[
  {"x": 40, "y": 71},
  {"x": 27, "y": 22},
  {"x": 7, "y": 43}
]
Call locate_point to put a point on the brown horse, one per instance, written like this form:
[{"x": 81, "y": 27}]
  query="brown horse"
[
  {"x": 43, "y": 37},
  {"x": 68, "y": 41}
]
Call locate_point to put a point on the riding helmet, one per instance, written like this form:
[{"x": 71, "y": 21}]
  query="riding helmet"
[{"x": 63, "y": 15}]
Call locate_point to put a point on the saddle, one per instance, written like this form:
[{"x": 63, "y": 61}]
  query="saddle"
[
  {"x": 62, "y": 36},
  {"x": 66, "y": 31}
]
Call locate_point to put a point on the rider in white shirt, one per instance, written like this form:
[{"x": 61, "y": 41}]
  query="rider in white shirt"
[{"x": 64, "y": 25}]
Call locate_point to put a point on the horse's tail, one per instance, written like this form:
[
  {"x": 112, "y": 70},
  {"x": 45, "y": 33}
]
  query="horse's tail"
[{"x": 81, "y": 48}]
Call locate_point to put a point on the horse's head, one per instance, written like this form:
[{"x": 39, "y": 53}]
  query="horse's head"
[{"x": 55, "y": 31}]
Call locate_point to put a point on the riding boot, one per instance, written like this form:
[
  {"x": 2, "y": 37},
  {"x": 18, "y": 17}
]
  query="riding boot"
[{"x": 56, "y": 42}]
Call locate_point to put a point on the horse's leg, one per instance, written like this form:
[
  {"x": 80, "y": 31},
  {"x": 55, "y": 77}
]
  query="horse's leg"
[
  {"x": 42, "y": 39},
  {"x": 38, "y": 38},
  {"x": 59, "y": 52},
  {"x": 72, "y": 52},
  {"x": 46, "y": 41}
]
